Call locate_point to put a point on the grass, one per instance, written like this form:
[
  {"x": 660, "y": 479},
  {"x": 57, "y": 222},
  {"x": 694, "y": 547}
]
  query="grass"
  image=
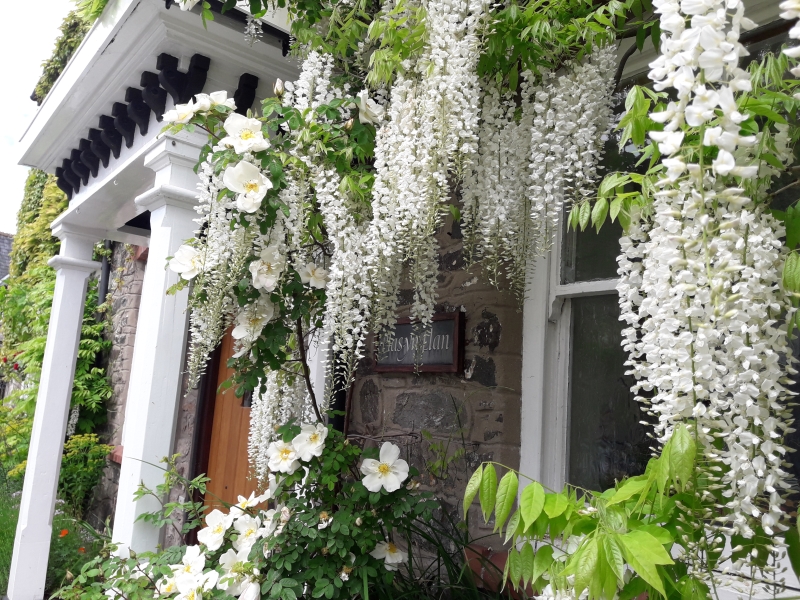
[{"x": 9, "y": 511}]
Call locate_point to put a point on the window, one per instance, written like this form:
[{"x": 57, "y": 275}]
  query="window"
[{"x": 580, "y": 423}]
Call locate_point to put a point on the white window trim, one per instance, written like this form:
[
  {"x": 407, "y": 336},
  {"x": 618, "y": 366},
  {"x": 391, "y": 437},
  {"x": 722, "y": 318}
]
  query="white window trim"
[{"x": 546, "y": 367}]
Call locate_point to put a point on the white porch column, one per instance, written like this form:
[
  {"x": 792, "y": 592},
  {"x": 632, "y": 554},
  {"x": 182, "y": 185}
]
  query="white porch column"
[
  {"x": 155, "y": 379},
  {"x": 73, "y": 266}
]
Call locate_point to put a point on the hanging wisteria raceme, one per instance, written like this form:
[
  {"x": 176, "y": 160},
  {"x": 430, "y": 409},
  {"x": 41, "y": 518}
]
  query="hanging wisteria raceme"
[
  {"x": 430, "y": 136},
  {"x": 215, "y": 261},
  {"x": 701, "y": 292},
  {"x": 279, "y": 399},
  {"x": 529, "y": 167}
]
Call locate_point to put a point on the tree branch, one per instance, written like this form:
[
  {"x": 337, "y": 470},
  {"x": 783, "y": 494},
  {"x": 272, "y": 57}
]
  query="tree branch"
[
  {"x": 621, "y": 66},
  {"x": 306, "y": 372}
]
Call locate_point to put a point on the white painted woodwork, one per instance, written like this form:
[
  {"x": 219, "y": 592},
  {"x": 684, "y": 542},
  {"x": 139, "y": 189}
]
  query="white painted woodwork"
[
  {"x": 73, "y": 266},
  {"x": 155, "y": 380}
]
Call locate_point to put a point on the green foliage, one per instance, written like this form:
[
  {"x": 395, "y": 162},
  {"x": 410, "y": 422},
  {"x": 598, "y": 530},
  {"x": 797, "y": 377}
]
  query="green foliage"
[
  {"x": 81, "y": 469},
  {"x": 8, "y": 524},
  {"x": 329, "y": 515},
  {"x": 72, "y": 544},
  {"x": 73, "y": 29},
  {"x": 623, "y": 195},
  {"x": 635, "y": 525},
  {"x": 90, "y": 10}
]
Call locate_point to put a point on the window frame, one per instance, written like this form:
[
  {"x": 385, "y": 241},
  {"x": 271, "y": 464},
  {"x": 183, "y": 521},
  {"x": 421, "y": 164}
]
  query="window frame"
[{"x": 547, "y": 365}]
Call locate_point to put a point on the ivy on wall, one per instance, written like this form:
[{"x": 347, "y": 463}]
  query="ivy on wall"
[
  {"x": 26, "y": 300},
  {"x": 73, "y": 29}
]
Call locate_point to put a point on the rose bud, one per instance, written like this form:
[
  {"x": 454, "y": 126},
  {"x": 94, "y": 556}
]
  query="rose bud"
[{"x": 278, "y": 88}]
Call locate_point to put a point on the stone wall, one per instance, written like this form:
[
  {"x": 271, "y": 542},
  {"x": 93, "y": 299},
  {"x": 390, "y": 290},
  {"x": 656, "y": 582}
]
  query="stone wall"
[
  {"x": 125, "y": 290},
  {"x": 449, "y": 423}
]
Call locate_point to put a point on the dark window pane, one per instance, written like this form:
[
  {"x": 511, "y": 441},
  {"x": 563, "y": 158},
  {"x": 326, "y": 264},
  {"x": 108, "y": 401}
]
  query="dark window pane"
[
  {"x": 606, "y": 440},
  {"x": 590, "y": 255}
]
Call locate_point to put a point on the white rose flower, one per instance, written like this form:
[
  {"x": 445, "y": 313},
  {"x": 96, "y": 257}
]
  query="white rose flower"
[
  {"x": 249, "y": 183},
  {"x": 325, "y": 519},
  {"x": 369, "y": 111},
  {"x": 269, "y": 524},
  {"x": 244, "y": 134},
  {"x": 191, "y": 587},
  {"x": 389, "y": 472},
  {"x": 310, "y": 442},
  {"x": 166, "y": 586},
  {"x": 282, "y": 457},
  {"x": 213, "y": 534},
  {"x": 182, "y": 113},
  {"x": 392, "y": 556},
  {"x": 187, "y": 262},
  {"x": 192, "y": 563},
  {"x": 205, "y": 102},
  {"x": 247, "y": 526},
  {"x": 252, "y": 319},
  {"x": 313, "y": 275},
  {"x": 266, "y": 270},
  {"x": 243, "y": 503}
]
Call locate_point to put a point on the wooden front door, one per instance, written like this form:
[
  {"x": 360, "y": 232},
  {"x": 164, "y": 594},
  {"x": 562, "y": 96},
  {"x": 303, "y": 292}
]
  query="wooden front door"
[{"x": 228, "y": 465}]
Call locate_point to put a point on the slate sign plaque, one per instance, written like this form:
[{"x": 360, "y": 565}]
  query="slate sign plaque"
[{"x": 436, "y": 348}]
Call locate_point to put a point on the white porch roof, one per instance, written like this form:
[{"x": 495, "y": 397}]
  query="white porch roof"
[{"x": 121, "y": 45}]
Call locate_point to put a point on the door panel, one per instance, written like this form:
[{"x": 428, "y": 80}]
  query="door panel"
[{"x": 228, "y": 465}]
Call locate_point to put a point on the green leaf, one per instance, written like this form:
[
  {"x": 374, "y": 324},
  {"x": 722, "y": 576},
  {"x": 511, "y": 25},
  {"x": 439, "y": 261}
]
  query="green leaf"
[
  {"x": 526, "y": 563},
  {"x": 555, "y": 504},
  {"x": 694, "y": 589},
  {"x": 472, "y": 488},
  {"x": 641, "y": 38},
  {"x": 614, "y": 208},
  {"x": 793, "y": 547},
  {"x": 663, "y": 536},
  {"x": 599, "y": 213},
  {"x": 506, "y": 494},
  {"x": 614, "y": 557},
  {"x": 646, "y": 569},
  {"x": 682, "y": 454},
  {"x": 513, "y": 78},
  {"x": 515, "y": 568},
  {"x": 791, "y": 272},
  {"x": 584, "y": 214},
  {"x": 646, "y": 547},
  {"x": 531, "y": 503},
  {"x": 629, "y": 489},
  {"x": 542, "y": 561},
  {"x": 513, "y": 525},
  {"x": 488, "y": 491},
  {"x": 585, "y": 565}
]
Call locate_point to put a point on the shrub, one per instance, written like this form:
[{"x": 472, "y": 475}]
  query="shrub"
[{"x": 81, "y": 469}]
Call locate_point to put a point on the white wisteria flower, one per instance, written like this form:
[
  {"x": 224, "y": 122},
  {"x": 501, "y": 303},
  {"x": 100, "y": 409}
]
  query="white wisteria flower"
[
  {"x": 213, "y": 534},
  {"x": 249, "y": 183},
  {"x": 369, "y": 111},
  {"x": 392, "y": 556},
  {"x": 267, "y": 268},
  {"x": 389, "y": 472},
  {"x": 182, "y": 113},
  {"x": 188, "y": 4},
  {"x": 310, "y": 442},
  {"x": 205, "y": 102},
  {"x": 247, "y": 526},
  {"x": 187, "y": 262},
  {"x": 315, "y": 276},
  {"x": 244, "y": 134},
  {"x": 282, "y": 457},
  {"x": 252, "y": 319}
]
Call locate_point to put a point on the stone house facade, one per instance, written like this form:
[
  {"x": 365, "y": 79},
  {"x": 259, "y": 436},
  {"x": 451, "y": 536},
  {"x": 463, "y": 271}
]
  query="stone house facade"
[{"x": 543, "y": 387}]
